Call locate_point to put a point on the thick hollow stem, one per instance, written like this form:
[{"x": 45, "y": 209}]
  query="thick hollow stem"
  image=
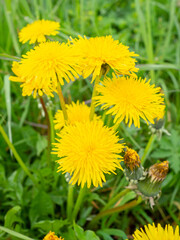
[
  {"x": 70, "y": 201},
  {"x": 49, "y": 130},
  {"x": 79, "y": 202},
  {"x": 62, "y": 102},
  {"x": 92, "y": 109}
]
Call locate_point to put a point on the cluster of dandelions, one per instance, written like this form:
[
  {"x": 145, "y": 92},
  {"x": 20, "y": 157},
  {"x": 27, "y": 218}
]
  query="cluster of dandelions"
[{"x": 87, "y": 149}]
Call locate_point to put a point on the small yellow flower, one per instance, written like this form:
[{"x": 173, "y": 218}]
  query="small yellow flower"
[
  {"x": 130, "y": 99},
  {"x": 39, "y": 69},
  {"x": 77, "y": 112},
  {"x": 157, "y": 233},
  {"x": 88, "y": 150},
  {"x": 38, "y": 30},
  {"x": 52, "y": 236},
  {"x": 100, "y": 53}
]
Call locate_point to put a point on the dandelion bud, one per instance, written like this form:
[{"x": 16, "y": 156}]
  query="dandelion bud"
[
  {"x": 158, "y": 124},
  {"x": 150, "y": 187},
  {"x": 133, "y": 169},
  {"x": 158, "y": 128}
]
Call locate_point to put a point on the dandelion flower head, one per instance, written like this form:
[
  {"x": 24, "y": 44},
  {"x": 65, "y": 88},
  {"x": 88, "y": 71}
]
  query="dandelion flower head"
[
  {"x": 42, "y": 67},
  {"x": 102, "y": 52},
  {"x": 151, "y": 232},
  {"x": 88, "y": 150},
  {"x": 130, "y": 98},
  {"x": 77, "y": 112},
  {"x": 38, "y": 30},
  {"x": 52, "y": 236}
]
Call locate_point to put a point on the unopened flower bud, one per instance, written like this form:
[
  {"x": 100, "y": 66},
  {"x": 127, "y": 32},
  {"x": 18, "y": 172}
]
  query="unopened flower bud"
[
  {"x": 158, "y": 128},
  {"x": 133, "y": 169},
  {"x": 150, "y": 187}
]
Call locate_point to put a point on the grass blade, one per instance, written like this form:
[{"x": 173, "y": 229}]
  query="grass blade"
[{"x": 15, "y": 234}]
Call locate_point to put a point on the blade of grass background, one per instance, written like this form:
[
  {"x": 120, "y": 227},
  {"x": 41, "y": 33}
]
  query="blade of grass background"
[
  {"x": 15, "y": 234},
  {"x": 169, "y": 30},
  {"x": 149, "y": 39},
  {"x": 8, "y": 57},
  {"x": 56, "y": 6},
  {"x": 177, "y": 24},
  {"x": 36, "y": 8},
  {"x": 45, "y": 8},
  {"x": 7, "y": 91},
  {"x": 141, "y": 21},
  {"x": 8, "y": 14},
  {"x": 25, "y": 8},
  {"x": 26, "y": 110},
  {"x": 158, "y": 66},
  {"x": 16, "y": 155},
  {"x": 82, "y": 16}
]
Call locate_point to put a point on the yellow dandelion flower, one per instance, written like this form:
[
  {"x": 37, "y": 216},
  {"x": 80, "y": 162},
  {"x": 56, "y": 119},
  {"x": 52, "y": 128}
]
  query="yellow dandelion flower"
[
  {"x": 77, "y": 112},
  {"x": 100, "y": 53},
  {"x": 87, "y": 151},
  {"x": 38, "y": 30},
  {"x": 130, "y": 98},
  {"x": 52, "y": 236},
  {"x": 152, "y": 232},
  {"x": 39, "y": 68}
]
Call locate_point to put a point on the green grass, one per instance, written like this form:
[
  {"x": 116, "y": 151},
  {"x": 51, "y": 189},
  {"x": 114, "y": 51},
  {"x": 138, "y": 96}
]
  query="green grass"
[{"x": 151, "y": 29}]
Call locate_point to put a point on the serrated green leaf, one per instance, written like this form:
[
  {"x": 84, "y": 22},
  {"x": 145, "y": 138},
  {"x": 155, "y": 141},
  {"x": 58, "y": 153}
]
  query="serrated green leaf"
[
  {"x": 161, "y": 154},
  {"x": 41, "y": 206}
]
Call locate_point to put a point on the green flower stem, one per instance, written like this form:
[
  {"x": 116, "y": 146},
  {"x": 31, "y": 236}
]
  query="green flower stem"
[
  {"x": 70, "y": 187},
  {"x": 115, "y": 126},
  {"x": 62, "y": 102},
  {"x": 16, "y": 155},
  {"x": 115, "y": 199},
  {"x": 109, "y": 119},
  {"x": 70, "y": 202},
  {"x": 51, "y": 125},
  {"x": 49, "y": 130},
  {"x": 148, "y": 148},
  {"x": 111, "y": 211},
  {"x": 79, "y": 202},
  {"x": 92, "y": 99}
]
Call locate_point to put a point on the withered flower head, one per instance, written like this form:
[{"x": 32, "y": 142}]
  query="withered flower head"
[
  {"x": 131, "y": 159},
  {"x": 158, "y": 171}
]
